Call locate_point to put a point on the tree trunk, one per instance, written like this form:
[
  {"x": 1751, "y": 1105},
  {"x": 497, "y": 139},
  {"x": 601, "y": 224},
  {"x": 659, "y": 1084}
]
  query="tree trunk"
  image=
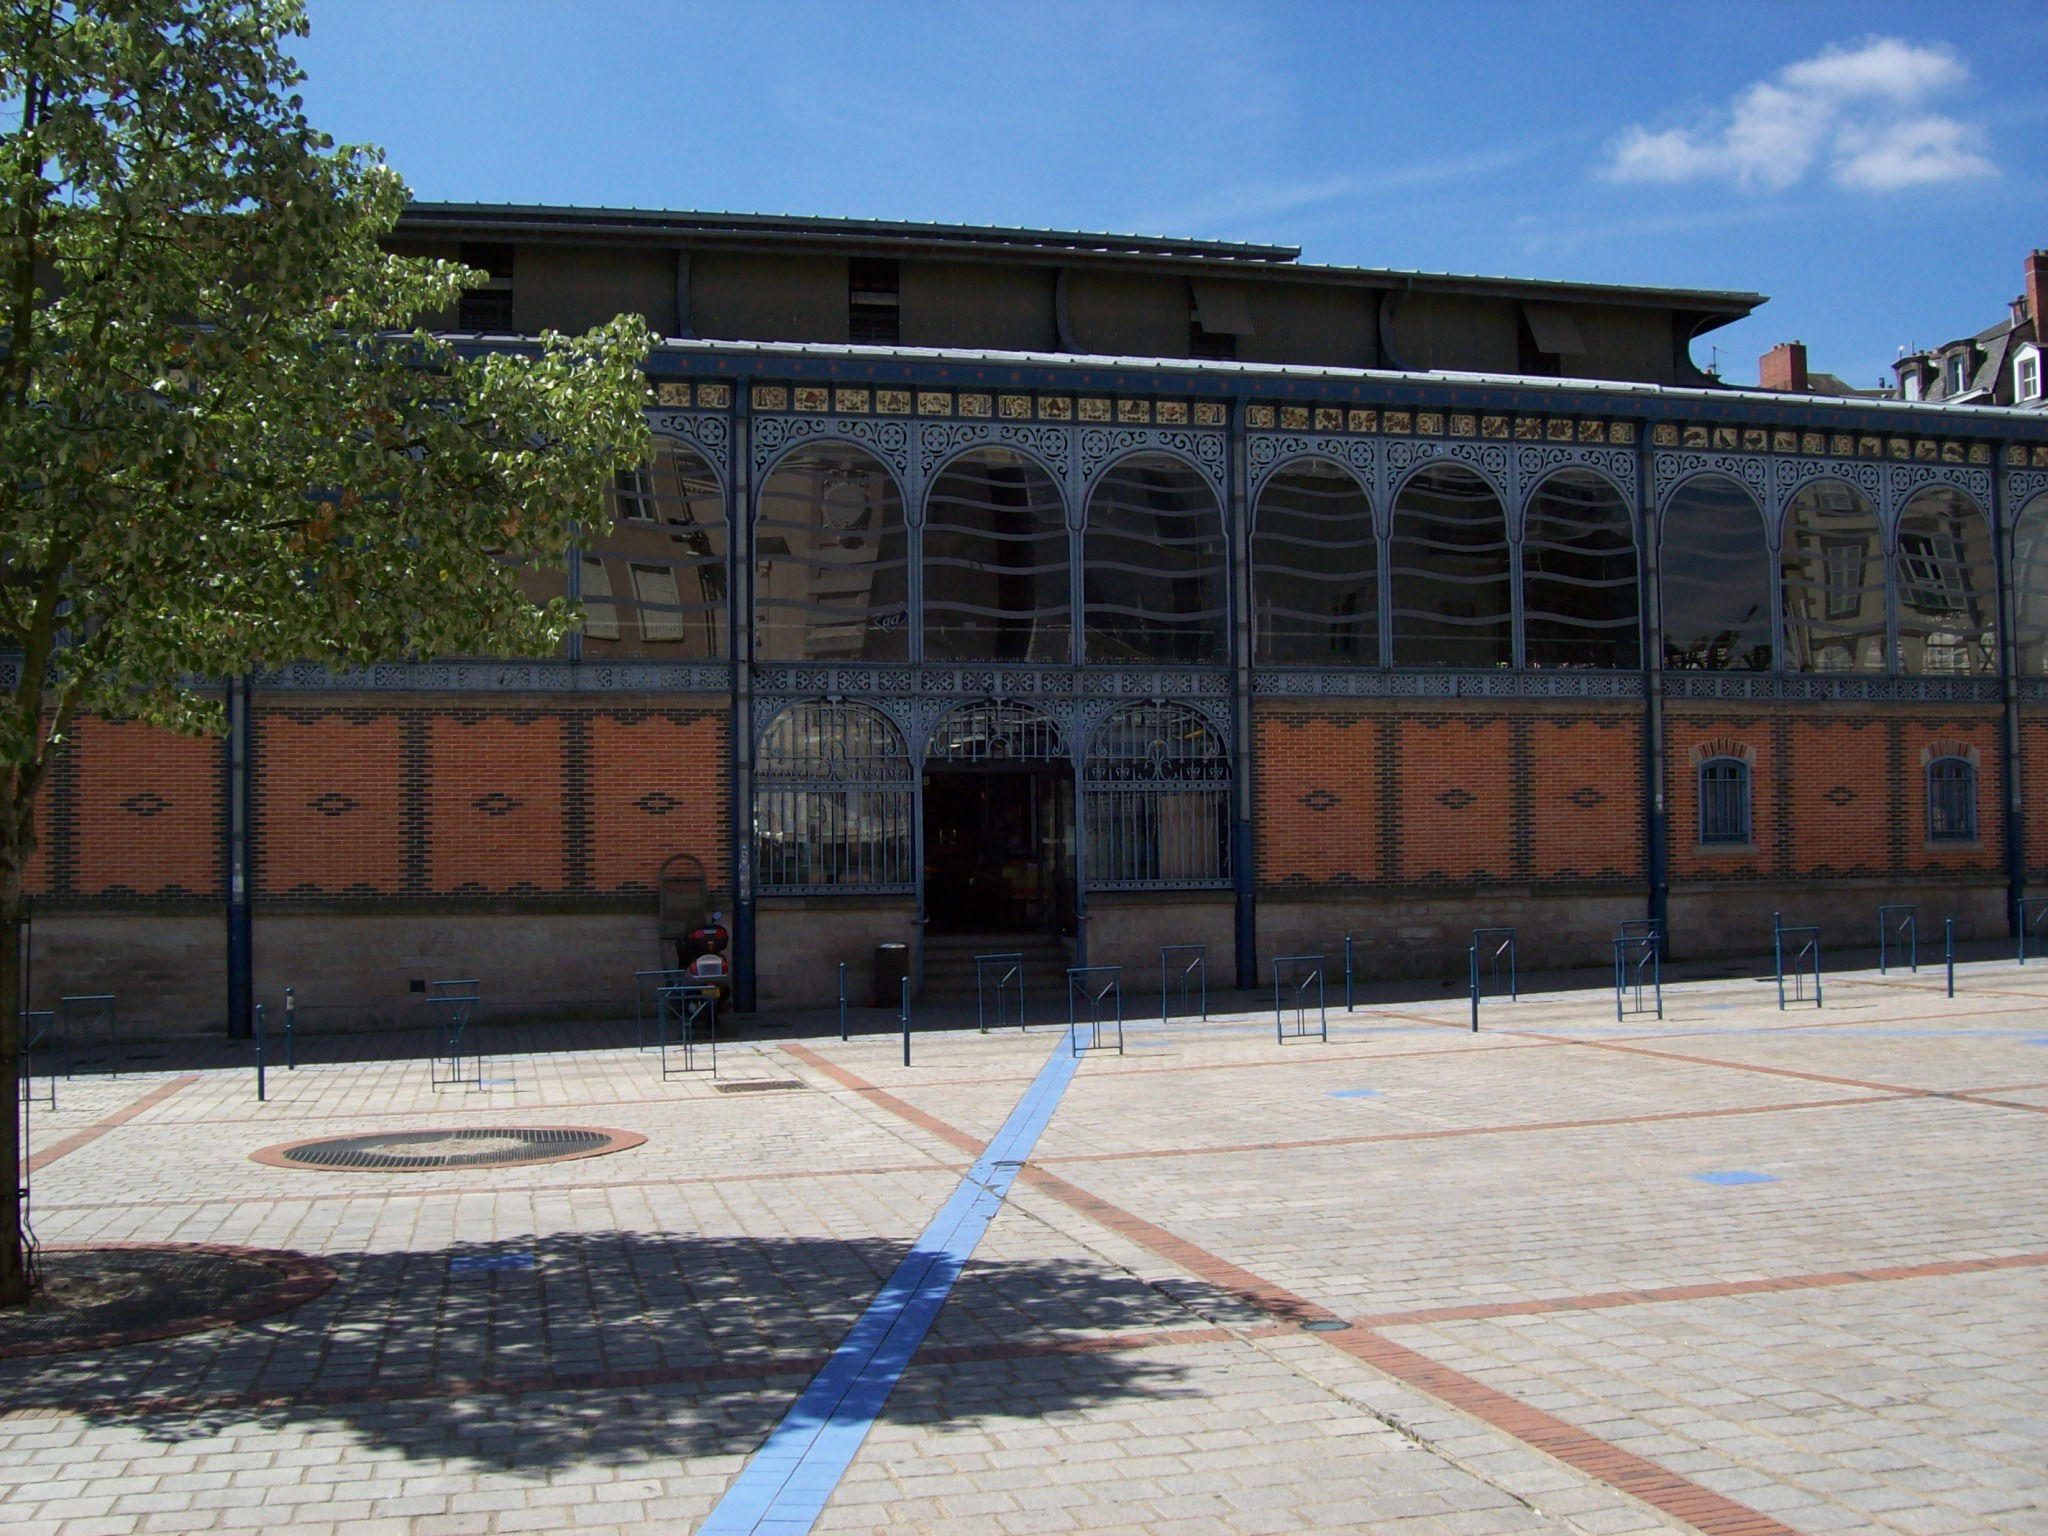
[{"x": 14, "y": 1271}]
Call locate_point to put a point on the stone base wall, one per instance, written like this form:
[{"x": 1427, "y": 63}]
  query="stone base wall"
[
  {"x": 1707, "y": 921},
  {"x": 1129, "y": 930},
  {"x": 799, "y": 943},
  {"x": 169, "y": 974},
  {"x": 1397, "y": 934}
]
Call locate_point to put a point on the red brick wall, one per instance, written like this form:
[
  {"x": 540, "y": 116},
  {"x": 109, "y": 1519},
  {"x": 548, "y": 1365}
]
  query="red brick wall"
[
  {"x": 329, "y": 803},
  {"x": 141, "y": 810},
  {"x": 1835, "y": 795},
  {"x": 1401, "y": 795}
]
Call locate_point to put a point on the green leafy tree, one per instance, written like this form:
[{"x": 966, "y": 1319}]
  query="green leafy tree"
[{"x": 225, "y": 443}]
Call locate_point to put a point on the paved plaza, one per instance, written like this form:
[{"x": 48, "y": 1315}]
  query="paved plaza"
[{"x": 1739, "y": 1270}]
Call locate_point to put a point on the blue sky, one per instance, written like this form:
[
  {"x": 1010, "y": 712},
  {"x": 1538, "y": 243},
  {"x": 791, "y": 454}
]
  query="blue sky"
[{"x": 1878, "y": 169}]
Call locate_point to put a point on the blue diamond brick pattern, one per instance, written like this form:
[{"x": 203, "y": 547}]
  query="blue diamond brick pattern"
[
  {"x": 147, "y": 803},
  {"x": 1321, "y": 800},
  {"x": 1456, "y": 799},
  {"x": 496, "y": 803}
]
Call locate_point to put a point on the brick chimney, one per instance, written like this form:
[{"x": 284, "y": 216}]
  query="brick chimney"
[
  {"x": 2037, "y": 292},
  {"x": 1783, "y": 368}
]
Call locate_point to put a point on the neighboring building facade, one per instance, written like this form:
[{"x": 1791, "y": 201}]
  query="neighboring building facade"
[
  {"x": 996, "y": 586},
  {"x": 2000, "y": 365}
]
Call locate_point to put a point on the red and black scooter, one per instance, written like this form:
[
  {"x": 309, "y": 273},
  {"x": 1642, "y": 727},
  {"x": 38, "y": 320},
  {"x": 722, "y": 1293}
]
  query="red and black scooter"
[{"x": 701, "y": 952}]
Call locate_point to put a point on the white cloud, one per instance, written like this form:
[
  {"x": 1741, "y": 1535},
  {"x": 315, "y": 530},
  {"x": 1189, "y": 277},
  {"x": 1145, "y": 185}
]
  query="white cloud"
[{"x": 1860, "y": 110}]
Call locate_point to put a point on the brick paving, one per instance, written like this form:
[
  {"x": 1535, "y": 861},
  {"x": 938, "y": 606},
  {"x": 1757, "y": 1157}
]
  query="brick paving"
[{"x": 1736, "y": 1271}]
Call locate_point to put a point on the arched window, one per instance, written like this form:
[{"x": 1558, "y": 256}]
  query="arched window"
[
  {"x": 1831, "y": 565},
  {"x": 655, "y": 585},
  {"x": 1157, "y": 783},
  {"x": 2030, "y": 587},
  {"x": 830, "y": 560},
  {"x": 1947, "y": 585},
  {"x": 1951, "y": 800},
  {"x": 832, "y": 802},
  {"x": 1724, "y": 800},
  {"x": 1153, "y": 564},
  {"x": 1579, "y": 597},
  {"x": 1315, "y": 569},
  {"x": 996, "y": 562},
  {"x": 1448, "y": 563},
  {"x": 1715, "y": 579}
]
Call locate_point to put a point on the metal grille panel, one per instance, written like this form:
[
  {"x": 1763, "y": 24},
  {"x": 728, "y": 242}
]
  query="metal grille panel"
[{"x": 1158, "y": 800}]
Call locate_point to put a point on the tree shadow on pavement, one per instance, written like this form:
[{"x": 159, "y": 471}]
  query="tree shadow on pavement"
[{"x": 611, "y": 1348}]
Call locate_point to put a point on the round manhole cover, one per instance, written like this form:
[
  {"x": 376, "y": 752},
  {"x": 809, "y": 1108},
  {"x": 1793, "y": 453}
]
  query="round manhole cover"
[{"x": 442, "y": 1147}]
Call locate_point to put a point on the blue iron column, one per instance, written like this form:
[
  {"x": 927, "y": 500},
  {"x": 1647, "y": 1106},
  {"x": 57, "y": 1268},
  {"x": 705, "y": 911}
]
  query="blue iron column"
[
  {"x": 1656, "y": 822},
  {"x": 740, "y": 647},
  {"x": 2009, "y": 695},
  {"x": 235, "y": 825},
  {"x": 1238, "y": 561}
]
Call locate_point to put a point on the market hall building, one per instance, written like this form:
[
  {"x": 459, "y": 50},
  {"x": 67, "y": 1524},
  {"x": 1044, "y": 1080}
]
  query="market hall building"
[{"x": 1079, "y": 594}]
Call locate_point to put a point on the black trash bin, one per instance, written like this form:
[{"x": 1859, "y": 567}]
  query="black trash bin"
[{"x": 892, "y": 964}]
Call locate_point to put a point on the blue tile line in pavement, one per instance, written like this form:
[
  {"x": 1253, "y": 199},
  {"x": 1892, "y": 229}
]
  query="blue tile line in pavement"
[
  {"x": 1737, "y": 1176},
  {"x": 783, "y": 1489}
]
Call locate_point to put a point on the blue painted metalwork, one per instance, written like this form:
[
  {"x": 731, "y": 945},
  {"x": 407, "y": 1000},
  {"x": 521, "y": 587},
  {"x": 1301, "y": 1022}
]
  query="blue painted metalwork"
[
  {"x": 454, "y": 1005},
  {"x": 1948, "y": 946},
  {"x": 1293, "y": 977},
  {"x": 1638, "y": 974},
  {"x": 291, "y": 1023},
  {"x": 1898, "y": 927},
  {"x": 1000, "y": 976},
  {"x": 688, "y": 1015},
  {"x": 843, "y": 1032},
  {"x": 2033, "y": 915},
  {"x": 37, "y": 1025},
  {"x": 647, "y": 986},
  {"x": 1489, "y": 947},
  {"x": 903, "y": 1018},
  {"x": 88, "y": 1014},
  {"x": 1183, "y": 968},
  {"x": 1096, "y": 987},
  {"x": 257, "y": 1032},
  {"x": 1805, "y": 959},
  {"x": 784, "y": 1487}
]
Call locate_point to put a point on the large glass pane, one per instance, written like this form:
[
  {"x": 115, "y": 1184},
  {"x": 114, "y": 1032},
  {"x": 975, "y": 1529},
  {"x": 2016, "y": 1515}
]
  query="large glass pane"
[
  {"x": 1153, "y": 565},
  {"x": 1451, "y": 591},
  {"x": 1579, "y": 595},
  {"x": 1716, "y": 579},
  {"x": 1315, "y": 569},
  {"x": 831, "y": 560},
  {"x": 655, "y": 585},
  {"x": 1831, "y": 565},
  {"x": 2030, "y": 587},
  {"x": 1948, "y": 586},
  {"x": 996, "y": 563}
]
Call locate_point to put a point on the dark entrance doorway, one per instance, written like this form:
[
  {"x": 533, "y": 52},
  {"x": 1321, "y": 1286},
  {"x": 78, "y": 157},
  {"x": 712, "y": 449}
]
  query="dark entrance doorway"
[{"x": 999, "y": 848}]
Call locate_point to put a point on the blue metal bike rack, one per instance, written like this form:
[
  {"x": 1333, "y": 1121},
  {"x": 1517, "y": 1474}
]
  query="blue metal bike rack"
[
  {"x": 1806, "y": 938},
  {"x": 2033, "y": 917},
  {"x": 1183, "y": 969},
  {"x": 687, "y": 1016},
  {"x": 1638, "y": 975},
  {"x": 1097, "y": 987},
  {"x": 454, "y": 1004},
  {"x": 647, "y": 986},
  {"x": 1000, "y": 977},
  {"x": 1293, "y": 977},
  {"x": 1898, "y": 928}
]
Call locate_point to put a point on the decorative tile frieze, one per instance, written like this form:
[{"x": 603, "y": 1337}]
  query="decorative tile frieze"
[
  {"x": 1807, "y": 689},
  {"x": 1371, "y": 683}
]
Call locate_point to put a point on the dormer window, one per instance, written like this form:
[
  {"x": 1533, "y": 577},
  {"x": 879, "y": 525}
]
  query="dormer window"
[
  {"x": 1955, "y": 374},
  {"x": 2026, "y": 374}
]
